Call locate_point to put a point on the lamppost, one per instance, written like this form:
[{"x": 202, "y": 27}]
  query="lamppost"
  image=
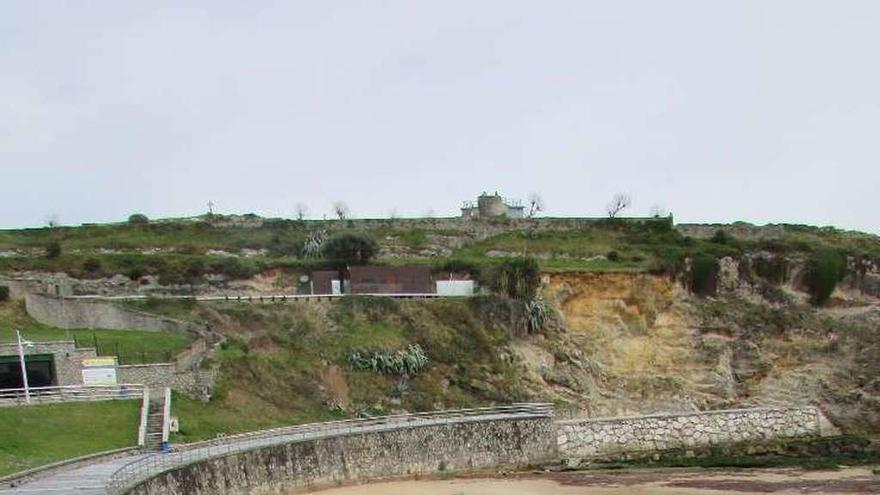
[{"x": 21, "y": 345}]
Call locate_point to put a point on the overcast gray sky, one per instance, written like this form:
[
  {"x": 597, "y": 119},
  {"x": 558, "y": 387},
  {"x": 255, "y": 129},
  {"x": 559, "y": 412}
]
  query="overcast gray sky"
[{"x": 764, "y": 111}]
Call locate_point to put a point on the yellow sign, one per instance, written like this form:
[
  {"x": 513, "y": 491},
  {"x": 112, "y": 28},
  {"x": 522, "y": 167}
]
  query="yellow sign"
[{"x": 102, "y": 362}]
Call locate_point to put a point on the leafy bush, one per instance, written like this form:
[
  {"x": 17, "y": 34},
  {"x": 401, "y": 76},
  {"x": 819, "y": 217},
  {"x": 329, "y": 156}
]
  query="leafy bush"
[
  {"x": 824, "y": 270},
  {"x": 92, "y": 265},
  {"x": 721, "y": 237},
  {"x": 671, "y": 265},
  {"x": 4, "y": 293},
  {"x": 704, "y": 274},
  {"x": 454, "y": 265},
  {"x": 517, "y": 278},
  {"x": 613, "y": 256},
  {"x": 349, "y": 249},
  {"x": 405, "y": 362},
  {"x": 53, "y": 250},
  {"x": 138, "y": 219},
  {"x": 773, "y": 269},
  {"x": 195, "y": 269},
  {"x": 231, "y": 267},
  {"x": 135, "y": 273}
]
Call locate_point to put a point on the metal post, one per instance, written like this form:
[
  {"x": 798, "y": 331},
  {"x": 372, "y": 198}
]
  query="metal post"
[{"x": 27, "y": 389}]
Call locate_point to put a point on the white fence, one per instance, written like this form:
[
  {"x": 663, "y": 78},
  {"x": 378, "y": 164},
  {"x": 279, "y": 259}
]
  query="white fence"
[
  {"x": 145, "y": 415},
  {"x": 70, "y": 393},
  {"x": 140, "y": 470}
]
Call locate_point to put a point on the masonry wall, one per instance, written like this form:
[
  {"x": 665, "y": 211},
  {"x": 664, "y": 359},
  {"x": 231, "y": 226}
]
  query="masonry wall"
[
  {"x": 194, "y": 382},
  {"x": 597, "y": 438},
  {"x": 80, "y": 313},
  {"x": 68, "y": 359},
  {"x": 360, "y": 457},
  {"x": 18, "y": 289}
]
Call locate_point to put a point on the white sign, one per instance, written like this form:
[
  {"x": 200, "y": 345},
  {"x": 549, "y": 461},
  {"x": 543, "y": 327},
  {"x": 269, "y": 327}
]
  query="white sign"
[{"x": 99, "y": 371}]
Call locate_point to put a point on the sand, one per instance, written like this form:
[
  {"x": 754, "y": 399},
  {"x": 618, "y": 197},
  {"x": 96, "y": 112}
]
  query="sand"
[{"x": 638, "y": 482}]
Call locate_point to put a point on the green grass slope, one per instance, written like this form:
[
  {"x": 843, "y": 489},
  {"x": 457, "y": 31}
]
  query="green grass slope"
[
  {"x": 286, "y": 363},
  {"x": 132, "y": 346},
  {"x": 32, "y": 436}
]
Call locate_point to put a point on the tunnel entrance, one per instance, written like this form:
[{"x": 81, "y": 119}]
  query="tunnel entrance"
[{"x": 40, "y": 370}]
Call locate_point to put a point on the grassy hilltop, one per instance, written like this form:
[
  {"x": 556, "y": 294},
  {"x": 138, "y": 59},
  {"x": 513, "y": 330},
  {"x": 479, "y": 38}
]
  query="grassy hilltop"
[{"x": 185, "y": 251}]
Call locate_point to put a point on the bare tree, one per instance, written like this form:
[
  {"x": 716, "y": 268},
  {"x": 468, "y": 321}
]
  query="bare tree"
[
  {"x": 52, "y": 220},
  {"x": 536, "y": 204},
  {"x": 340, "y": 209},
  {"x": 658, "y": 211},
  {"x": 301, "y": 211},
  {"x": 618, "y": 203}
]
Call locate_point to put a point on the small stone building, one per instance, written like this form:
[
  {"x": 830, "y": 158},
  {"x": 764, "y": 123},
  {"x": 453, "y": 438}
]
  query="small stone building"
[
  {"x": 48, "y": 364},
  {"x": 491, "y": 206}
]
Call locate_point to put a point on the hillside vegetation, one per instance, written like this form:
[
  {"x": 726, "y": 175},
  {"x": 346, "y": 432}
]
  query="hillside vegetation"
[
  {"x": 617, "y": 317},
  {"x": 615, "y": 344},
  {"x": 288, "y": 363},
  {"x": 240, "y": 247}
]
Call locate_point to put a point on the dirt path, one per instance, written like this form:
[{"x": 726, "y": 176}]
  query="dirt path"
[{"x": 642, "y": 482}]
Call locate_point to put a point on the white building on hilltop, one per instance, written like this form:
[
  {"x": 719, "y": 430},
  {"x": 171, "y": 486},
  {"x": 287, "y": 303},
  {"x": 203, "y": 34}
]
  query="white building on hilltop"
[{"x": 492, "y": 205}]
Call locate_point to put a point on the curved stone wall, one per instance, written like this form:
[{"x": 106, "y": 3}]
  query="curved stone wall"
[
  {"x": 357, "y": 457},
  {"x": 597, "y": 438}
]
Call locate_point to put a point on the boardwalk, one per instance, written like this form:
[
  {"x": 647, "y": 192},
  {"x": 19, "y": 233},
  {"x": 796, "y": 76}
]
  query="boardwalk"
[{"x": 93, "y": 479}]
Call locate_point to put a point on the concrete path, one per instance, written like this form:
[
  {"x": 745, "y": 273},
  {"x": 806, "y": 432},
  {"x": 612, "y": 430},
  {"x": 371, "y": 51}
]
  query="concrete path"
[
  {"x": 85, "y": 480},
  {"x": 92, "y": 479}
]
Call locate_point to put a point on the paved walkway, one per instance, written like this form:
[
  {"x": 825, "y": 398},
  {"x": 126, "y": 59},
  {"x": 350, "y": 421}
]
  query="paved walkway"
[
  {"x": 92, "y": 479},
  {"x": 86, "y": 480}
]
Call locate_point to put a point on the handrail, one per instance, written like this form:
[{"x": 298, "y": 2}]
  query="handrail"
[
  {"x": 145, "y": 414},
  {"x": 166, "y": 419},
  {"x": 260, "y": 297},
  {"x": 137, "y": 471},
  {"x": 66, "y": 393}
]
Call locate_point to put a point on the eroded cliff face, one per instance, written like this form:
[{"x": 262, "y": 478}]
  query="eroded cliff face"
[
  {"x": 620, "y": 343},
  {"x": 636, "y": 337},
  {"x": 639, "y": 343}
]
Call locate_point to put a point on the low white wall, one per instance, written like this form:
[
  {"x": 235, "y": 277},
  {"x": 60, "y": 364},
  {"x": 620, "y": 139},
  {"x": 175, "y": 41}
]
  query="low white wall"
[{"x": 455, "y": 287}]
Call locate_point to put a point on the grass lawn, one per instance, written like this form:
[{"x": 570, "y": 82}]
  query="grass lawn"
[
  {"x": 134, "y": 346},
  {"x": 204, "y": 421},
  {"x": 32, "y": 436}
]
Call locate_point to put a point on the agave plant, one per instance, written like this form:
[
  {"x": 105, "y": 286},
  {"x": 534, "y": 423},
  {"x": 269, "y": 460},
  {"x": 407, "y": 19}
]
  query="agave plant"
[
  {"x": 313, "y": 244},
  {"x": 537, "y": 312},
  {"x": 406, "y": 362}
]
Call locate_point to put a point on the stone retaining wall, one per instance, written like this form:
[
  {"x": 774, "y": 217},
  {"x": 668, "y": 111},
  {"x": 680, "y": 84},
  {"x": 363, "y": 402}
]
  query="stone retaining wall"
[
  {"x": 597, "y": 438},
  {"x": 80, "y": 313},
  {"x": 309, "y": 464},
  {"x": 194, "y": 382}
]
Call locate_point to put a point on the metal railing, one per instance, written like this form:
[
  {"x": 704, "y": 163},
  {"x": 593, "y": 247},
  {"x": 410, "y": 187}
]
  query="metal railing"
[
  {"x": 260, "y": 297},
  {"x": 69, "y": 393},
  {"x": 140, "y": 470}
]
